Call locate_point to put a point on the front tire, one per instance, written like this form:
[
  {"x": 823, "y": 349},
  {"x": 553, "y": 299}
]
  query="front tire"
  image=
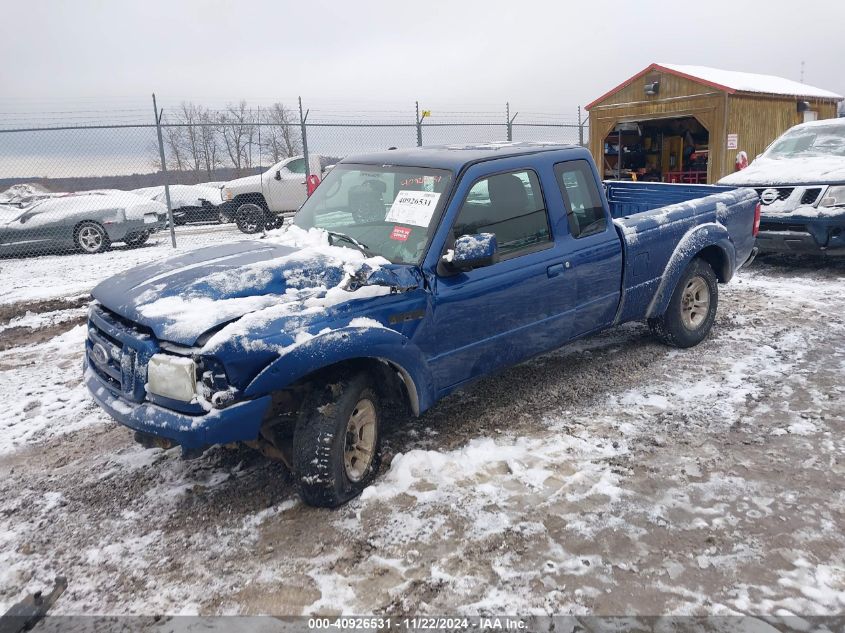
[
  {"x": 250, "y": 218},
  {"x": 692, "y": 307},
  {"x": 336, "y": 442},
  {"x": 91, "y": 238}
]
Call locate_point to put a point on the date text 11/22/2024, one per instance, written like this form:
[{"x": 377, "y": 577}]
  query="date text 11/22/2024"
[{"x": 364, "y": 623}]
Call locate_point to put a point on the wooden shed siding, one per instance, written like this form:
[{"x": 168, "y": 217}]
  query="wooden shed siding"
[
  {"x": 671, "y": 87},
  {"x": 759, "y": 120},
  {"x": 708, "y": 109},
  {"x": 756, "y": 119}
]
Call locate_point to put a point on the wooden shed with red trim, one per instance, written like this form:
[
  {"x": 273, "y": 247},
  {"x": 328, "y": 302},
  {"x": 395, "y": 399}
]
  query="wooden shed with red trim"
[{"x": 688, "y": 123}]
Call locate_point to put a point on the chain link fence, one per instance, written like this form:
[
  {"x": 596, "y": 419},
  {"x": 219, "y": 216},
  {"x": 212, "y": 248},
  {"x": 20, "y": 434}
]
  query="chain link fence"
[{"x": 88, "y": 194}]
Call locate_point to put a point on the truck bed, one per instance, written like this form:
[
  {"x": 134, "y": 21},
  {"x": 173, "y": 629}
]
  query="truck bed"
[
  {"x": 627, "y": 198},
  {"x": 659, "y": 222}
]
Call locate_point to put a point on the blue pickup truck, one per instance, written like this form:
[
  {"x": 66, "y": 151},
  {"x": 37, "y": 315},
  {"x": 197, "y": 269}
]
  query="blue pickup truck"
[{"x": 405, "y": 276}]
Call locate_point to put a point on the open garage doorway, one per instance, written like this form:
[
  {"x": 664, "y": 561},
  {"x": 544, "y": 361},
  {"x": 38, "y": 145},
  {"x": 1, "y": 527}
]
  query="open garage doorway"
[{"x": 657, "y": 150}]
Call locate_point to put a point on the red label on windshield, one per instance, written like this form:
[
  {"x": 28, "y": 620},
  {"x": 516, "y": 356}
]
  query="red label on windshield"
[{"x": 400, "y": 234}]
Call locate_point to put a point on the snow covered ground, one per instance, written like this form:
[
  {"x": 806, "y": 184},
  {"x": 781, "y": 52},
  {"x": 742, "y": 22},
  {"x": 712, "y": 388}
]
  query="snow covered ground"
[
  {"x": 68, "y": 274},
  {"x": 615, "y": 476}
]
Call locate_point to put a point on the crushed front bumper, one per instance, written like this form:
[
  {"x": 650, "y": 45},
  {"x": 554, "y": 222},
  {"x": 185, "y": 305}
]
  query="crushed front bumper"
[{"x": 237, "y": 423}]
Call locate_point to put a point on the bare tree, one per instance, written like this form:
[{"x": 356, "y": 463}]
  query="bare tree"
[
  {"x": 174, "y": 147},
  {"x": 238, "y": 130},
  {"x": 200, "y": 139},
  {"x": 189, "y": 116},
  {"x": 281, "y": 138},
  {"x": 209, "y": 142}
]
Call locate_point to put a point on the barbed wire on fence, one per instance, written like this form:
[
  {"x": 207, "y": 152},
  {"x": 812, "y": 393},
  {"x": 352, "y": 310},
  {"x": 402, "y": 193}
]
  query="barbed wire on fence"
[{"x": 97, "y": 180}]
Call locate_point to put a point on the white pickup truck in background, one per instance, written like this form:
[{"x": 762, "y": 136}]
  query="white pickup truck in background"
[{"x": 265, "y": 199}]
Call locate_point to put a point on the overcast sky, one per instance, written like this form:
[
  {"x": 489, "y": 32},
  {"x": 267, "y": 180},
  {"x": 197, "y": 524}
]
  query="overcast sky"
[{"x": 546, "y": 57}]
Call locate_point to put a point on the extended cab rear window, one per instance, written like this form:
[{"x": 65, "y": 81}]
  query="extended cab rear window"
[{"x": 584, "y": 210}]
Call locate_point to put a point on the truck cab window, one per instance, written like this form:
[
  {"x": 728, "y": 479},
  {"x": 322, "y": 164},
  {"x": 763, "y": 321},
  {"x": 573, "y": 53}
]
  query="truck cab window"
[
  {"x": 509, "y": 205},
  {"x": 296, "y": 166},
  {"x": 581, "y": 198}
]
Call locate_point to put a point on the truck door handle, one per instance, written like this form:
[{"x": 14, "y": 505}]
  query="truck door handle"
[{"x": 554, "y": 270}]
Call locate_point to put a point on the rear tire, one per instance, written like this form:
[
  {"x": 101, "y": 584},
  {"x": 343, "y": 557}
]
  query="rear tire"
[
  {"x": 91, "y": 238},
  {"x": 250, "y": 218},
  {"x": 336, "y": 442},
  {"x": 692, "y": 307}
]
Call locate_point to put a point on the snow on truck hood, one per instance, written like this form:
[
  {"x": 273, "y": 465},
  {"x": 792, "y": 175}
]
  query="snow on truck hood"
[
  {"x": 246, "y": 183},
  {"x": 295, "y": 272},
  {"x": 808, "y": 170}
]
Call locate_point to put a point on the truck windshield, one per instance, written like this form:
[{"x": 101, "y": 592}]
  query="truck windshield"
[
  {"x": 390, "y": 210},
  {"x": 822, "y": 140}
]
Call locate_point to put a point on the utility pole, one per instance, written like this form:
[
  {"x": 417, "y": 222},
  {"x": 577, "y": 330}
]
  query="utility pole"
[
  {"x": 419, "y": 126},
  {"x": 158, "y": 114},
  {"x": 510, "y": 120},
  {"x": 580, "y": 128},
  {"x": 302, "y": 118},
  {"x": 802, "y": 71}
]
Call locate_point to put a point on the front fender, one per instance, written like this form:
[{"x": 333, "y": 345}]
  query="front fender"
[
  {"x": 345, "y": 344},
  {"x": 690, "y": 245}
]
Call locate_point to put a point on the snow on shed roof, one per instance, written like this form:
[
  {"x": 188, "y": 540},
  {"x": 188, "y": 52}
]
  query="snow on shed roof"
[
  {"x": 730, "y": 81},
  {"x": 750, "y": 82}
]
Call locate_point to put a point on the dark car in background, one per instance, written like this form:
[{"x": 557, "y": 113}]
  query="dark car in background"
[{"x": 191, "y": 204}]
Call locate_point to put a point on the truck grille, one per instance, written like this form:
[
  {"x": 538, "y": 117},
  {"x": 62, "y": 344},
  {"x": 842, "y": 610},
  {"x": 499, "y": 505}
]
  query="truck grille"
[
  {"x": 782, "y": 192},
  {"x": 810, "y": 195},
  {"x": 118, "y": 353}
]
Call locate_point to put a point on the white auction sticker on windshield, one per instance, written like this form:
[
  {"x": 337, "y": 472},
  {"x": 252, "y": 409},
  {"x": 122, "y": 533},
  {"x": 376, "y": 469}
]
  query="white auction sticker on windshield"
[{"x": 413, "y": 207}]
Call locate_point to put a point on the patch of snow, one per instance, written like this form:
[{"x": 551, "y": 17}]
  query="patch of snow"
[
  {"x": 184, "y": 195},
  {"x": 45, "y": 379},
  {"x": 45, "y": 319},
  {"x": 752, "y": 82},
  {"x": 190, "y": 316},
  {"x": 803, "y": 170},
  {"x": 22, "y": 191}
]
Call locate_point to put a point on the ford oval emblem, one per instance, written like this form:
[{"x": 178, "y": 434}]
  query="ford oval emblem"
[
  {"x": 769, "y": 196},
  {"x": 99, "y": 354}
]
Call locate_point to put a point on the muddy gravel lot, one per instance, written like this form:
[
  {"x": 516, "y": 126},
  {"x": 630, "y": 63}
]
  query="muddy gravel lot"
[{"x": 615, "y": 476}]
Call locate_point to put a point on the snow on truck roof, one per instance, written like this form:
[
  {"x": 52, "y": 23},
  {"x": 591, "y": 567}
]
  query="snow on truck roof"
[
  {"x": 732, "y": 81},
  {"x": 457, "y": 155}
]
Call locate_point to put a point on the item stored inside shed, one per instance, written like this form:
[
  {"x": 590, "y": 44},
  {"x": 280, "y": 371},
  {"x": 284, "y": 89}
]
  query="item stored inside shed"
[{"x": 658, "y": 150}]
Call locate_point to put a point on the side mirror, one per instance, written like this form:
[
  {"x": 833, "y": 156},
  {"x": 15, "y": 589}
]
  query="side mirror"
[
  {"x": 472, "y": 251},
  {"x": 399, "y": 279},
  {"x": 278, "y": 175}
]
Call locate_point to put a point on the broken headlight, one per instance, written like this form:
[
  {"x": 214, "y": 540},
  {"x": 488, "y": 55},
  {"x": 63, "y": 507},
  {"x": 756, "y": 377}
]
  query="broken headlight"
[
  {"x": 172, "y": 377},
  {"x": 214, "y": 386}
]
